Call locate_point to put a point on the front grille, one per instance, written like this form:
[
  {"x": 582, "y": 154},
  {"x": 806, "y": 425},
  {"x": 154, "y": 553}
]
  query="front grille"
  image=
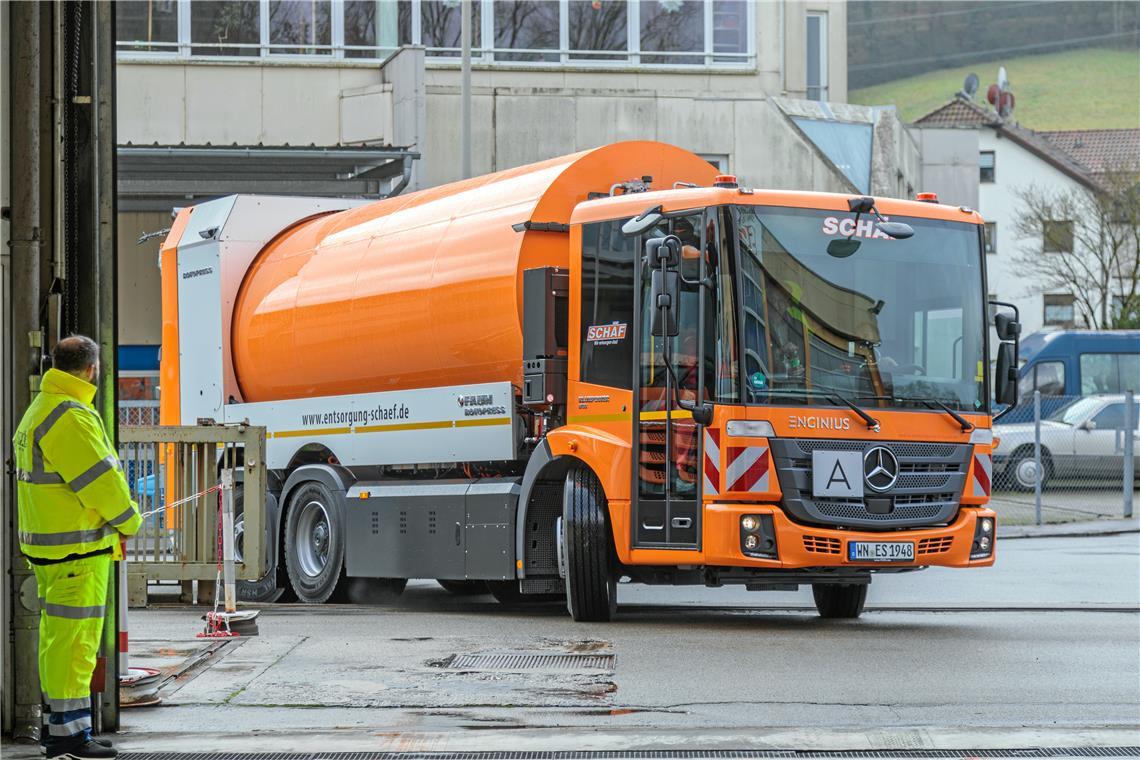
[
  {"x": 938, "y": 545},
  {"x": 930, "y": 482},
  {"x": 821, "y": 544}
]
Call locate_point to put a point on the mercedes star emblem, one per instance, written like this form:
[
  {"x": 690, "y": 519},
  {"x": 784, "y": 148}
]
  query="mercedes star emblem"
[{"x": 880, "y": 469}]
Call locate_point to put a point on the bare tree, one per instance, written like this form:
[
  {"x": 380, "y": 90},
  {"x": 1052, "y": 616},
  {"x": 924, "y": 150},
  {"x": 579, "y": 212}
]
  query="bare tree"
[{"x": 1096, "y": 256}]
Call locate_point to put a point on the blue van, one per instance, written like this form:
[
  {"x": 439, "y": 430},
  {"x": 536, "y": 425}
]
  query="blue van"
[{"x": 1068, "y": 363}]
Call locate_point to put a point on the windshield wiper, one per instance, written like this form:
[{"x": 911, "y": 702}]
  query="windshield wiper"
[
  {"x": 872, "y": 423},
  {"x": 933, "y": 403}
]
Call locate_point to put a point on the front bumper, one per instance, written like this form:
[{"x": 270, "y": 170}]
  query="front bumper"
[{"x": 804, "y": 546}]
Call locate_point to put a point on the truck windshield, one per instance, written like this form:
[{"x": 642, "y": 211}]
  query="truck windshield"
[{"x": 895, "y": 323}]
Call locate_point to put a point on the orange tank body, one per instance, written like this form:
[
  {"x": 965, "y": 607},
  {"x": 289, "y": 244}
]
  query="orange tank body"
[{"x": 421, "y": 290}]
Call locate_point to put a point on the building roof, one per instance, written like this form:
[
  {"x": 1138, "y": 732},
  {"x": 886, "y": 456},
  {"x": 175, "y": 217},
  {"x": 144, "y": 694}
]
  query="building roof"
[
  {"x": 959, "y": 112},
  {"x": 1082, "y": 158},
  {"x": 1100, "y": 150},
  {"x": 159, "y": 177}
]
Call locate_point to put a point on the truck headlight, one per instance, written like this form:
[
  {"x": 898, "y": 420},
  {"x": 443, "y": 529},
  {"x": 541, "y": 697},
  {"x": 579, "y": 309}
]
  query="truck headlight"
[
  {"x": 983, "y": 546},
  {"x": 758, "y": 536}
]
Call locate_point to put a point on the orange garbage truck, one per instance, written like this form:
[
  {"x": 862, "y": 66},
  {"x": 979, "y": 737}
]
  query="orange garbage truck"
[{"x": 610, "y": 366}]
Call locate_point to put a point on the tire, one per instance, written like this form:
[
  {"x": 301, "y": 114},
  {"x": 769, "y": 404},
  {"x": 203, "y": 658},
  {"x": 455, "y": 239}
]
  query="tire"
[
  {"x": 269, "y": 587},
  {"x": 1021, "y": 470},
  {"x": 463, "y": 588},
  {"x": 839, "y": 600},
  {"x": 314, "y": 543},
  {"x": 508, "y": 592},
  {"x": 591, "y": 584}
]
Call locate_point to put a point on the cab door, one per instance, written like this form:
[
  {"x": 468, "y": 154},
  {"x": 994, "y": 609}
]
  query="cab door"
[{"x": 666, "y": 441}]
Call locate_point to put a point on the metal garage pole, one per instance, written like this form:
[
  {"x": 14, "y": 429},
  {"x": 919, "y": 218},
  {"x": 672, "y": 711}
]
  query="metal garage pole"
[
  {"x": 1129, "y": 449},
  {"x": 465, "y": 83}
]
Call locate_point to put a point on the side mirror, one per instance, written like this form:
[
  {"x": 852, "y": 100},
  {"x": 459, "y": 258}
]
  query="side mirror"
[
  {"x": 1088, "y": 425},
  {"x": 896, "y": 230},
  {"x": 663, "y": 250},
  {"x": 665, "y": 292},
  {"x": 841, "y": 248},
  {"x": 1005, "y": 378},
  {"x": 1007, "y": 327},
  {"x": 642, "y": 222}
]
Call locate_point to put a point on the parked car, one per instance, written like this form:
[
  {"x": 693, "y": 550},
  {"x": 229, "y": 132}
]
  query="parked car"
[
  {"x": 1085, "y": 438},
  {"x": 1066, "y": 363}
]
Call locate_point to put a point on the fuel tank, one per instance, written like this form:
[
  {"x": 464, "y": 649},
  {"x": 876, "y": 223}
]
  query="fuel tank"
[{"x": 425, "y": 289}]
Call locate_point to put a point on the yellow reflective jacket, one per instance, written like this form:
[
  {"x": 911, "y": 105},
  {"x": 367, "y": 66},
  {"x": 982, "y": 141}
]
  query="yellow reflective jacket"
[{"x": 73, "y": 497}]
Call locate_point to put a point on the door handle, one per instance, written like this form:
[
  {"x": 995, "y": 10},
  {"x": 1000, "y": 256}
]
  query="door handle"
[
  {"x": 458, "y": 534},
  {"x": 682, "y": 522}
]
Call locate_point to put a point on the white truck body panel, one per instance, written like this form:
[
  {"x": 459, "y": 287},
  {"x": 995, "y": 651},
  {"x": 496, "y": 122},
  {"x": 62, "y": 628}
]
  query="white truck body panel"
[{"x": 461, "y": 423}]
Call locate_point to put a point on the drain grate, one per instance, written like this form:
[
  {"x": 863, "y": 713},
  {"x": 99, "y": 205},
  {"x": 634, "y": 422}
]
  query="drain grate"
[
  {"x": 530, "y": 662},
  {"x": 761, "y": 754}
]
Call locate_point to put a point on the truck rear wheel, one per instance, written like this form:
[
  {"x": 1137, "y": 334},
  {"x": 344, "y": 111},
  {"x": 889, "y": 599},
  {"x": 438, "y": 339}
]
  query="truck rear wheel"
[
  {"x": 273, "y": 586},
  {"x": 314, "y": 543},
  {"x": 839, "y": 600},
  {"x": 591, "y": 585}
]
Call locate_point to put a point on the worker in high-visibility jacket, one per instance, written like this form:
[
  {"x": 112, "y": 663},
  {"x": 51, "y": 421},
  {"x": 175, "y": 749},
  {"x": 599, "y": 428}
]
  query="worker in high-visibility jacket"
[{"x": 75, "y": 508}]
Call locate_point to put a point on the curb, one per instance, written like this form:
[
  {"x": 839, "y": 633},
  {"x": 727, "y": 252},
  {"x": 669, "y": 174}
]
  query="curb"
[{"x": 1070, "y": 530}]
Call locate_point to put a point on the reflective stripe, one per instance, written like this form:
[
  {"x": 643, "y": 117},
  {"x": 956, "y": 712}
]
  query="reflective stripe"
[
  {"x": 63, "y": 539},
  {"x": 71, "y": 728},
  {"x": 39, "y": 478},
  {"x": 73, "y": 613},
  {"x": 88, "y": 476},
  {"x": 122, "y": 517},
  {"x": 63, "y": 705},
  {"x": 43, "y": 428}
]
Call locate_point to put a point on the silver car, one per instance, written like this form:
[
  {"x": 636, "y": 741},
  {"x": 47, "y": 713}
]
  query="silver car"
[{"x": 1085, "y": 438}]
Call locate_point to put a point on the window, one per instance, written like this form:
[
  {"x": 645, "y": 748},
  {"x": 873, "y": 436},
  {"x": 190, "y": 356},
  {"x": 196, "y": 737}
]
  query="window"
[
  {"x": 441, "y": 26},
  {"x": 1109, "y": 373},
  {"x": 671, "y": 28},
  {"x": 599, "y": 30},
  {"x": 607, "y": 300},
  {"x": 375, "y": 26},
  {"x": 226, "y": 27},
  {"x": 1112, "y": 417},
  {"x": 991, "y": 237},
  {"x": 304, "y": 23},
  {"x": 1060, "y": 310},
  {"x": 1047, "y": 377},
  {"x": 986, "y": 166},
  {"x": 817, "y": 56},
  {"x": 515, "y": 32},
  {"x": 718, "y": 160},
  {"x": 526, "y": 25},
  {"x": 1057, "y": 236},
  {"x": 149, "y": 26}
]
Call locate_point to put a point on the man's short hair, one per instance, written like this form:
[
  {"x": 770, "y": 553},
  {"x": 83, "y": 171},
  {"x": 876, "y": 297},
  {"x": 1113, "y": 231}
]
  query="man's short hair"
[{"x": 75, "y": 353}]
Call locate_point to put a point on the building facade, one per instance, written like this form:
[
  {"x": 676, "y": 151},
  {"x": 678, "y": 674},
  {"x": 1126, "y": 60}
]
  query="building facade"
[
  {"x": 973, "y": 157},
  {"x": 757, "y": 88}
]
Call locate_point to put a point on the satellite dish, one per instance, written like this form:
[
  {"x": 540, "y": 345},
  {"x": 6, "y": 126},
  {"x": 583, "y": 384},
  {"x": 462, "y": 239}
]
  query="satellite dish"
[
  {"x": 1005, "y": 105},
  {"x": 992, "y": 94},
  {"x": 1003, "y": 80},
  {"x": 970, "y": 86}
]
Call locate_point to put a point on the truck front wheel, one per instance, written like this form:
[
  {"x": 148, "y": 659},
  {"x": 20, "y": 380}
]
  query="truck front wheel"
[
  {"x": 839, "y": 600},
  {"x": 591, "y": 584},
  {"x": 314, "y": 543}
]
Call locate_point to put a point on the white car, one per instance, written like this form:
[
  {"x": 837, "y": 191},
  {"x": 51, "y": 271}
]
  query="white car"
[{"x": 1085, "y": 438}]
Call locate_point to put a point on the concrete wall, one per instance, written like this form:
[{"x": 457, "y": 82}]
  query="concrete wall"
[
  {"x": 949, "y": 163},
  {"x": 139, "y": 283}
]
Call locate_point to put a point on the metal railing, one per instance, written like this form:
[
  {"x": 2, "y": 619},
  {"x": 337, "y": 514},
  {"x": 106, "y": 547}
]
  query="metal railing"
[
  {"x": 1066, "y": 459},
  {"x": 178, "y": 477}
]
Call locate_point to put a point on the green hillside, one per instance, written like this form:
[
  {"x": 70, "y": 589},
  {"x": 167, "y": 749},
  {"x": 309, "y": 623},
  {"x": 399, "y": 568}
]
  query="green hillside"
[{"x": 1077, "y": 89}]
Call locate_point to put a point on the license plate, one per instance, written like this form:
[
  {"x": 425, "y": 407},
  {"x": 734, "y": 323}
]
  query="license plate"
[{"x": 880, "y": 551}]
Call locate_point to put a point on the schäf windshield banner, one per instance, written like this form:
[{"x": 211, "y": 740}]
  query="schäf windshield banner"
[{"x": 468, "y": 423}]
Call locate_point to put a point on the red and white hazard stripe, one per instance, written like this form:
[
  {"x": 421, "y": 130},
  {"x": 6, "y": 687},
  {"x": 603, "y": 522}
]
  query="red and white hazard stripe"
[
  {"x": 712, "y": 461},
  {"x": 981, "y": 473},
  {"x": 747, "y": 468}
]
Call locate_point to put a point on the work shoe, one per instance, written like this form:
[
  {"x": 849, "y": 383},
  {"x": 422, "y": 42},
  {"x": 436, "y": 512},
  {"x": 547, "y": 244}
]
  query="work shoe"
[
  {"x": 104, "y": 742},
  {"x": 92, "y": 749}
]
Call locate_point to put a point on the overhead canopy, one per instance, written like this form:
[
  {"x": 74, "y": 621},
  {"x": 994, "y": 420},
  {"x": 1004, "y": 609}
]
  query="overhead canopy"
[{"x": 158, "y": 178}]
